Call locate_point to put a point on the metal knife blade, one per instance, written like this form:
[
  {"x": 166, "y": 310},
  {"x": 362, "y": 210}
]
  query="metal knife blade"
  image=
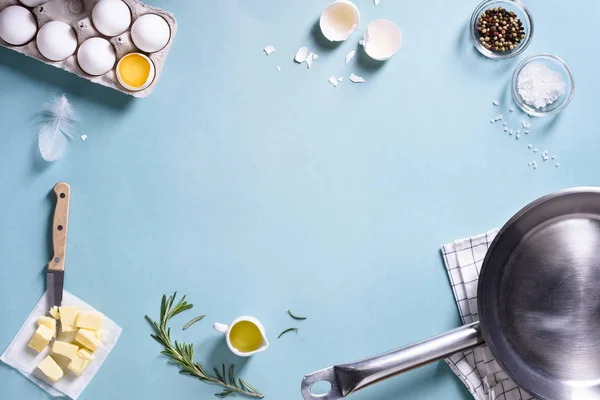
[{"x": 54, "y": 284}]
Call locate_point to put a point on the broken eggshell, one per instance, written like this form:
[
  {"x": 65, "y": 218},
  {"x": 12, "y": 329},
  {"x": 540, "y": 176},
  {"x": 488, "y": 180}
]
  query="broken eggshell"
[
  {"x": 382, "y": 39},
  {"x": 339, "y": 20}
]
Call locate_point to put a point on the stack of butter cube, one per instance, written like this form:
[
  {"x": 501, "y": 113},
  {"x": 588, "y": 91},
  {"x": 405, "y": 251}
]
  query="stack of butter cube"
[{"x": 81, "y": 335}]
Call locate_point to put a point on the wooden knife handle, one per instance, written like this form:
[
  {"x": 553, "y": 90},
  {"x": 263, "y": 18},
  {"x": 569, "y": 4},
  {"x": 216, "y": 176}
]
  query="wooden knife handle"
[{"x": 59, "y": 226}]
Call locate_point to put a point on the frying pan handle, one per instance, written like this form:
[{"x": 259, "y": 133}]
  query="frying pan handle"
[
  {"x": 349, "y": 378},
  {"x": 59, "y": 226}
]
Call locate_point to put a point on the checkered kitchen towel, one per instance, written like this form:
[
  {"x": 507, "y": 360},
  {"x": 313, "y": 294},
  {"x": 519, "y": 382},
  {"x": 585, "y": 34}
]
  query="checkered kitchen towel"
[{"x": 476, "y": 368}]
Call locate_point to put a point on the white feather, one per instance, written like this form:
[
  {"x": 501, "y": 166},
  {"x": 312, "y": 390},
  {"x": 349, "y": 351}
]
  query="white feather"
[{"x": 56, "y": 128}]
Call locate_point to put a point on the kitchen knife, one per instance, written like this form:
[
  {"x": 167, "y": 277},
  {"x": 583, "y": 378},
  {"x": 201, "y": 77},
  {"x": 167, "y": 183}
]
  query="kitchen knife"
[{"x": 56, "y": 266}]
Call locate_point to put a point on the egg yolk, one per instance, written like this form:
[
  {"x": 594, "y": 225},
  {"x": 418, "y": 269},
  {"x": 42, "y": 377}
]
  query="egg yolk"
[{"x": 134, "y": 70}]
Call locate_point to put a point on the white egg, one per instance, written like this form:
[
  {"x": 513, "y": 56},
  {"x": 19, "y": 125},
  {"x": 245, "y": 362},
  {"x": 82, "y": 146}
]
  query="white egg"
[
  {"x": 56, "y": 40},
  {"x": 96, "y": 56},
  {"x": 111, "y": 17},
  {"x": 382, "y": 39},
  {"x": 339, "y": 20},
  {"x": 150, "y": 33},
  {"x": 33, "y": 3},
  {"x": 17, "y": 25}
]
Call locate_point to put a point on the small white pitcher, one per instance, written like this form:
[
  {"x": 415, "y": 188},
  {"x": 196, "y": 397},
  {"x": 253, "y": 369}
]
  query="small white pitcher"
[{"x": 226, "y": 329}]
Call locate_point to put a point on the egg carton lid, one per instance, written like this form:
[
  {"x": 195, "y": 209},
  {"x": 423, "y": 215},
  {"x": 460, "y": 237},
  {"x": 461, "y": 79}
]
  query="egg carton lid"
[{"x": 78, "y": 14}]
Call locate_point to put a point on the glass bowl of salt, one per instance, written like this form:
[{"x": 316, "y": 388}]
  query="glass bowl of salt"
[{"x": 542, "y": 84}]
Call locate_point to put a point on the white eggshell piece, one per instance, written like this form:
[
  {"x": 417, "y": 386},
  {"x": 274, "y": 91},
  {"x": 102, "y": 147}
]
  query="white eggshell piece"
[
  {"x": 339, "y": 20},
  {"x": 150, "y": 33},
  {"x": 111, "y": 17},
  {"x": 96, "y": 56},
  {"x": 356, "y": 78},
  {"x": 301, "y": 55},
  {"x": 33, "y": 3},
  {"x": 56, "y": 41},
  {"x": 17, "y": 25},
  {"x": 382, "y": 39},
  {"x": 269, "y": 50},
  {"x": 350, "y": 55},
  {"x": 333, "y": 81},
  {"x": 151, "y": 74}
]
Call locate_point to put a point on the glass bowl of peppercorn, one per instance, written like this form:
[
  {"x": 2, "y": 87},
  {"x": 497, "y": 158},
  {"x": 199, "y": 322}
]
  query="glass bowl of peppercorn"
[{"x": 501, "y": 29}]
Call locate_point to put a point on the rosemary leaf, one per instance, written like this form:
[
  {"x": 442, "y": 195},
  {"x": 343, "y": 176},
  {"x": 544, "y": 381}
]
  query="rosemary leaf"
[
  {"x": 295, "y": 316},
  {"x": 193, "y": 321},
  {"x": 286, "y": 331},
  {"x": 183, "y": 353}
]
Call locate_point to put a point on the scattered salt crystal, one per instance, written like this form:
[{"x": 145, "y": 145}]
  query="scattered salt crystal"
[
  {"x": 505, "y": 129},
  {"x": 278, "y": 68},
  {"x": 504, "y": 123},
  {"x": 356, "y": 78},
  {"x": 269, "y": 49},
  {"x": 510, "y": 131},
  {"x": 350, "y": 55},
  {"x": 511, "y": 109},
  {"x": 529, "y": 164},
  {"x": 376, "y": 2},
  {"x": 496, "y": 102},
  {"x": 518, "y": 131},
  {"x": 83, "y": 137},
  {"x": 535, "y": 150},
  {"x": 535, "y": 167},
  {"x": 526, "y": 131},
  {"x": 333, "y": 81},
  {"x": 557, "y": 165},
  {"x": 518, "y": 136},
  {"x": 301, "y": 55},
  {"x": 528, "y": 146},
  {"x": 492, "y": 120},
  {"x": 553, "y": 157}
]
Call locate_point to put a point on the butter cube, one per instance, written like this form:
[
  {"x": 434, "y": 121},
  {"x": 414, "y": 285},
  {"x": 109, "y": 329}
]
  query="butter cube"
[
  {"x": 89, "y": 320},
  {"x": 65, "y": 349},
  {"x": 42, "y": 336},
  {"x": 49, "y": 322},
  {"x": 85, "y": 354},
  {"x": 88, "y": 338},
  {"x": 68, "y": 316},
  {"x": 51, "y": 369},
  {"x": 54, "y": 312},
  {"x": 80, "y": 362}
]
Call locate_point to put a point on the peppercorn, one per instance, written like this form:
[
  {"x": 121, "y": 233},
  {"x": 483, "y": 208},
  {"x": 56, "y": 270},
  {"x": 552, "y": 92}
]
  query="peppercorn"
[{"x": 500, "y": 30}]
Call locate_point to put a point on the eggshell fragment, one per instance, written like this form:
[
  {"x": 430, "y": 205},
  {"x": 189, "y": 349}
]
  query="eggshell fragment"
[
  {"x": 96, "y": 56},
  {"x": 350, "y": 55},
  {"x": 56, "y": 41},
  {"x": 339, "y": 20},
  {"x": 150, "y": 33},
  {"x": 356, "y": 78},
  {"x": 111, "y": 17},
  {"x": 301, "y": 55},
  {"x": 17, "y": 25},
  {"x": 269, "y": 49},
  {"x": 382, "y": 39}
]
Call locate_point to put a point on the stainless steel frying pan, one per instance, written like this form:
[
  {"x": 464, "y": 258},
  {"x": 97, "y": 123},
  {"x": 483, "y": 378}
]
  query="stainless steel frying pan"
[{"x": 539, "y": 307}]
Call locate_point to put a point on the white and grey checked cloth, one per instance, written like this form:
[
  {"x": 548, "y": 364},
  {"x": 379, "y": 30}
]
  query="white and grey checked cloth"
[{"x": 476, "y": 368}]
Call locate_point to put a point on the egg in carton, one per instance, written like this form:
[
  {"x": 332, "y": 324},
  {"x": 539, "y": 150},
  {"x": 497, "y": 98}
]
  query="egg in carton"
[{"x": 122, "y": 44}]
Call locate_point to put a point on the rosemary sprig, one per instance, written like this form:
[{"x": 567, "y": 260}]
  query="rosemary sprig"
[
  {"x": 193, "y": 321},
  {"x": 182, "y": 354},
  {"x": 286, "y": 331},
  {"x": 295, "y": 316}
]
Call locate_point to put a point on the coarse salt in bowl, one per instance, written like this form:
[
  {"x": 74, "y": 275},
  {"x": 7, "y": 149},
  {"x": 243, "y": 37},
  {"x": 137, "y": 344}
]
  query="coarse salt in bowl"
[
  {"x": 558, "y": 84},
  {"x": 521, "y": 12}
]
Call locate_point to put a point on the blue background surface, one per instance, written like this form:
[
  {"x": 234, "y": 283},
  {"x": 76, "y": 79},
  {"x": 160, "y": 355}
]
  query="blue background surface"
[{"x": 254, "y": 191}]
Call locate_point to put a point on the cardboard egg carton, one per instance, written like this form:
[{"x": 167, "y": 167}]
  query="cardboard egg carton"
[{"x": 78, "y": 14}]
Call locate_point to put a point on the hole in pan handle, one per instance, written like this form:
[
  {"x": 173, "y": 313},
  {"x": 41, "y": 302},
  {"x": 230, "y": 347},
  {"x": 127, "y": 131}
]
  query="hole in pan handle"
[{"x": 348, "y": 378}]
